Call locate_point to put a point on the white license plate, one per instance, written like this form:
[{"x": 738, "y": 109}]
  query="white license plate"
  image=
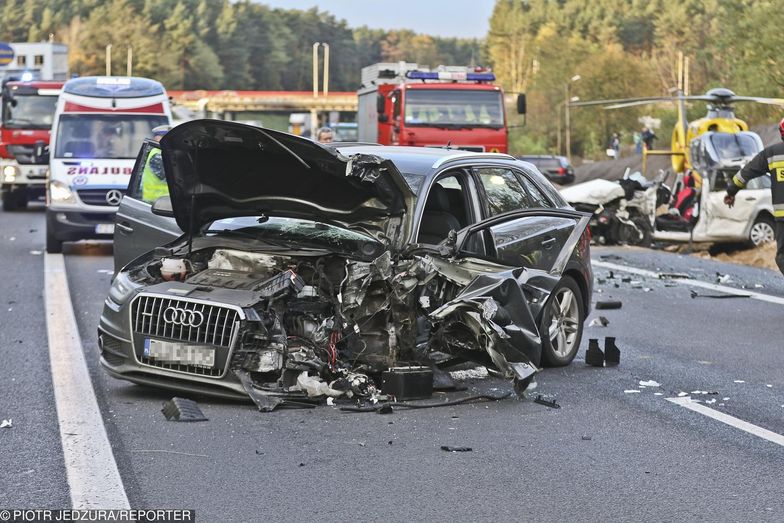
[
  {"x": 104, "y": 228},
  {"x": 167, "y": 351}
]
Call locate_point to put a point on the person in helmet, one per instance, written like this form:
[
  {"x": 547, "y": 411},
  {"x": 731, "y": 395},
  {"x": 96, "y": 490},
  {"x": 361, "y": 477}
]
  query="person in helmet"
[
  {"x": 153, "y": 178},
  {"x": 768, "y": 161}
]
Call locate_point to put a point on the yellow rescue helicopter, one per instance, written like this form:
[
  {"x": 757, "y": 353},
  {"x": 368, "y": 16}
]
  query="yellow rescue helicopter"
[{"x": 705, "y": 154}]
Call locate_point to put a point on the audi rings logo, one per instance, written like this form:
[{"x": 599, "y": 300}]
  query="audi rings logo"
[
  {"x": 183, "y": 317},
  {"x": 113, "y": 197}
]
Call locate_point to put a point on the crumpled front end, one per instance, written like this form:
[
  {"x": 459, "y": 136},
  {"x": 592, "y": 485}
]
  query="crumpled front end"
[{"x": 291, "y": 329}]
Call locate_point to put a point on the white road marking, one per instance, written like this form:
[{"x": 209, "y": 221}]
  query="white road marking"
[
  {"x": 691, "y": 282},
  {"x": 93, "y": 478},
  {"x": 729, "y": 420}
]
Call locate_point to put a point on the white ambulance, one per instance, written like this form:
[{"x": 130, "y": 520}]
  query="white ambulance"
[{"x": 99, "y": 126}]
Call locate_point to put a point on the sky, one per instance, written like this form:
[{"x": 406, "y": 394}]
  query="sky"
[{"x": 461, "y": 18}]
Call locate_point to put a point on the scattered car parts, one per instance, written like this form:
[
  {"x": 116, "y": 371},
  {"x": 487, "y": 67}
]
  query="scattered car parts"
[{"x": 182, "y": 409}]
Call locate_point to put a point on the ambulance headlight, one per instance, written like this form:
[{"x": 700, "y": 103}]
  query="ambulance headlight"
[
  {"x": 10, "y": 172},
  {"x": 61, "y": 193}
]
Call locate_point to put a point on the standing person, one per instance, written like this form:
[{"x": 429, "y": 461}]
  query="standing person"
[
  {"x": 325, "y": 135},
  {"x": 648, "y": 136},
  {"x": 637, "y": 142},
  {"x": 768, "y": 161},
  {"x": 615, "y": 145},
  {"x": 153, "y": 178}
]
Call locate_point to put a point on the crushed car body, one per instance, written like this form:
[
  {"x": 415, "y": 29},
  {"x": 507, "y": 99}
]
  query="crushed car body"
[{"x": 299, "y": 276}]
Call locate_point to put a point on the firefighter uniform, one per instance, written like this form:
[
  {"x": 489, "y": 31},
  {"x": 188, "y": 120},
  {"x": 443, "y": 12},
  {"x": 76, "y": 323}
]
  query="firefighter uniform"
[
  {"x": 769, "y": 160},
  {"x": 153, "y": 178}
]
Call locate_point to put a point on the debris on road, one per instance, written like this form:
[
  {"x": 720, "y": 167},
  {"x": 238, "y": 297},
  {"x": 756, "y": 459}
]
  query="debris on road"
[
  {"x": 182, "y": 409},
  {"x": 723, "y": 278},
  {"x": 632, "y": 391},
  {"x": 649, "y": 383},
  {"x": 36, "y": 253},
  {"x": 407, "y": 383},
  {"x": 601, "y": 321},
  {"x": 739, "y": 381},
  {"x": 682, "y": 394},
  {"x": 594, "y": 355},
  {"x": 386, "y": 408},
  {"x": 450, "y": 448},
  {"x": 586, "y": 438},
  {"x": 477, "y": 373},
  {"x": 695, "y": 294},
  {"x": 547, "y": 403},
  {"x": 612, "y": 354},
  {"x": 609, "y": 304},
  {"x": 6, "y": 424},
  {"x": 673, "y": 276}
]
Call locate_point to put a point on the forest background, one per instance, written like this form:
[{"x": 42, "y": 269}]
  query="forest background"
[{"x": 618, "y": 48}]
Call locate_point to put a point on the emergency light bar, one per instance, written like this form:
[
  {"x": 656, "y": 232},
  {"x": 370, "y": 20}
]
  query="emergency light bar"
[{"x": 450, "y": 75}]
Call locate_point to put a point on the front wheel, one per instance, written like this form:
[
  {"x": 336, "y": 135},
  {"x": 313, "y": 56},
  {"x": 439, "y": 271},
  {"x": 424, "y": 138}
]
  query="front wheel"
[
  {"x": 763, "y": 231},
  {"x": 53, "y": 245},
  {"x": 562, "y": 324}
]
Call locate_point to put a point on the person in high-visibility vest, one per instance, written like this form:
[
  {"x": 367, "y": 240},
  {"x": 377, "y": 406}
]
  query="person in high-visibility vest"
[{"x": 153, "y": 178}]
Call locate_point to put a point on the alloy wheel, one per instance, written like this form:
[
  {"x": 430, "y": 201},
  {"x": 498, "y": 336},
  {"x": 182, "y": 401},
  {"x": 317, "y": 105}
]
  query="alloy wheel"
[{"x": 564, "y": 323}]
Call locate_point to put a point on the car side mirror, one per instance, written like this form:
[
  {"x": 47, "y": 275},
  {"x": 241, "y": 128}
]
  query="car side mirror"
[
  {"x": 41, "y": 152},
  {"x": 163, "y": 207},
  {"x": 521, "y": 105}
]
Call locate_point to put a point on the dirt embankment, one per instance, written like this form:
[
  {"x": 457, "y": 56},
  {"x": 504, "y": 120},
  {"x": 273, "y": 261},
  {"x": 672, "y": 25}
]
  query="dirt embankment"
[{"x": 763, "y": 256}]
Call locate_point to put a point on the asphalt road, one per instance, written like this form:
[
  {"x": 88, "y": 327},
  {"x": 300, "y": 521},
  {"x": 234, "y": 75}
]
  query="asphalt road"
[{"x": 606, "y": 454}]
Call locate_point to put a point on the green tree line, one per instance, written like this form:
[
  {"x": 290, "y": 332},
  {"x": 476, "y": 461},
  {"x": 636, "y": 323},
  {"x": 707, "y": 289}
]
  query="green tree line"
[
  {"x": 629, "y": 48},
  {"x": 218, "y": 44}
]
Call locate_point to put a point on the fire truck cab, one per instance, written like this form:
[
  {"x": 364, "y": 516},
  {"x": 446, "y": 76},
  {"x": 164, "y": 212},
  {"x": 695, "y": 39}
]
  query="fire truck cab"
[
  {"x": 25, "y": 124},
  {"x": 405, "y": 104}
]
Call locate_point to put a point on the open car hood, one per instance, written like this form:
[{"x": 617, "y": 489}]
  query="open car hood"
[{"x": 217, "y": 169}]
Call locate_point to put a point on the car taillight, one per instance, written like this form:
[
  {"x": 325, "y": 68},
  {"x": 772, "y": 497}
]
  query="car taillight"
[{"x": 562, "y": 170}]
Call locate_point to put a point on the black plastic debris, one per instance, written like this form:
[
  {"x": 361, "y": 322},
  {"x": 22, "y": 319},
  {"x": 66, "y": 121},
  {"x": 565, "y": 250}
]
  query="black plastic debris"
[
  {"x": 407, "y": 383},
  {"x": 386, "y": 409},
  {"x": 609, "y": 304},
  {"x": 547, "y": 403},
  {"x": 182, "y": 409},
  {"x": 594, "y": 355},
  {"x": 695, "y": 294},
  {"x": 599, "y": 321},
  {"x": 450, "y": 448},
  {"x": 673, "y": 276},
  {"x": 586, "y": 438},
  {"x": 626, "y": 280},
  {"x": 612, "y": 355}
]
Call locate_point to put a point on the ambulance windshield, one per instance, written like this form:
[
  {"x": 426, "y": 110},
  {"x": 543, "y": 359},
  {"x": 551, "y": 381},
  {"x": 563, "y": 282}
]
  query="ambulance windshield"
[{"x": 110, "y": 136}]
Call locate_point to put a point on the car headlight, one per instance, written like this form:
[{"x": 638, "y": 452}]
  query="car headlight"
[
  {"x": 122, "y": 288},
  {"x": 61, "y": 193},
  {"x": 10, "y": 172}
]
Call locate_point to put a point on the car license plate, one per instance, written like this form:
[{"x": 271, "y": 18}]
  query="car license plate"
[
  {"x": 167, "y": 351},
  {"x": 104, "y": 228}
]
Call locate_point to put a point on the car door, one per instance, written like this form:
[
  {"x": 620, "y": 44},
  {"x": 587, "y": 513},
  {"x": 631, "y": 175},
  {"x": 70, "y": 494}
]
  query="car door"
[
  {"x": 541, "y": 239},
  {"x": 137, "y": 230}
]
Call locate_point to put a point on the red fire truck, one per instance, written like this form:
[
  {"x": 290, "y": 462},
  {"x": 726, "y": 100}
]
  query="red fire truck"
[
  {"x": 404, "y": 104},
  {"x": 25, "y": 123}
]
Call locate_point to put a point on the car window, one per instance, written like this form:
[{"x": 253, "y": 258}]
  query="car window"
[
  {"x": 535, "y": 195},
  {"x": 148, "y": 181},
  {"x": 504, "y": 191},
  {"x": 762, "y": 182}
]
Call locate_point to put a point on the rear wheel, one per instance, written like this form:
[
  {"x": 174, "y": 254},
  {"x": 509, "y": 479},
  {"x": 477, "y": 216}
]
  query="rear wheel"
[
  {"x": 562, "y": 324},
  {"x": 763, "y": 231}
]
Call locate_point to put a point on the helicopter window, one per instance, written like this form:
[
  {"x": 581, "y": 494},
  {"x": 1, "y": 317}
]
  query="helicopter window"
[{"x": 734, "y": 146}]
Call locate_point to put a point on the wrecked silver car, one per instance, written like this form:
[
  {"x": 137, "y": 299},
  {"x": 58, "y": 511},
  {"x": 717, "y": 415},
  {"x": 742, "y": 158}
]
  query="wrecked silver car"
[{"x": 305, "y": 271}]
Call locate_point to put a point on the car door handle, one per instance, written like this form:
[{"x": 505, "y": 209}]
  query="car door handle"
[
  {"x": 548, "y": 243},
  {"x": 750, "y": 198},
  {"x": 124, "y": 227}
]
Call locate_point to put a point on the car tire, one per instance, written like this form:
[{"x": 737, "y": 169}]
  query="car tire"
[
  {"x": 763, "y": 230},
  {"x": 561, "y": 328},
  {"x": 53, "y": 245},
  {"x": 10, "y": 200},
  {"x": 21, "y": 199}
]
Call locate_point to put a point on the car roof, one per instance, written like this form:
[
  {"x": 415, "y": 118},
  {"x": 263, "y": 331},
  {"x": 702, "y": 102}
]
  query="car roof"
[{"x": 418, "y": 160}]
